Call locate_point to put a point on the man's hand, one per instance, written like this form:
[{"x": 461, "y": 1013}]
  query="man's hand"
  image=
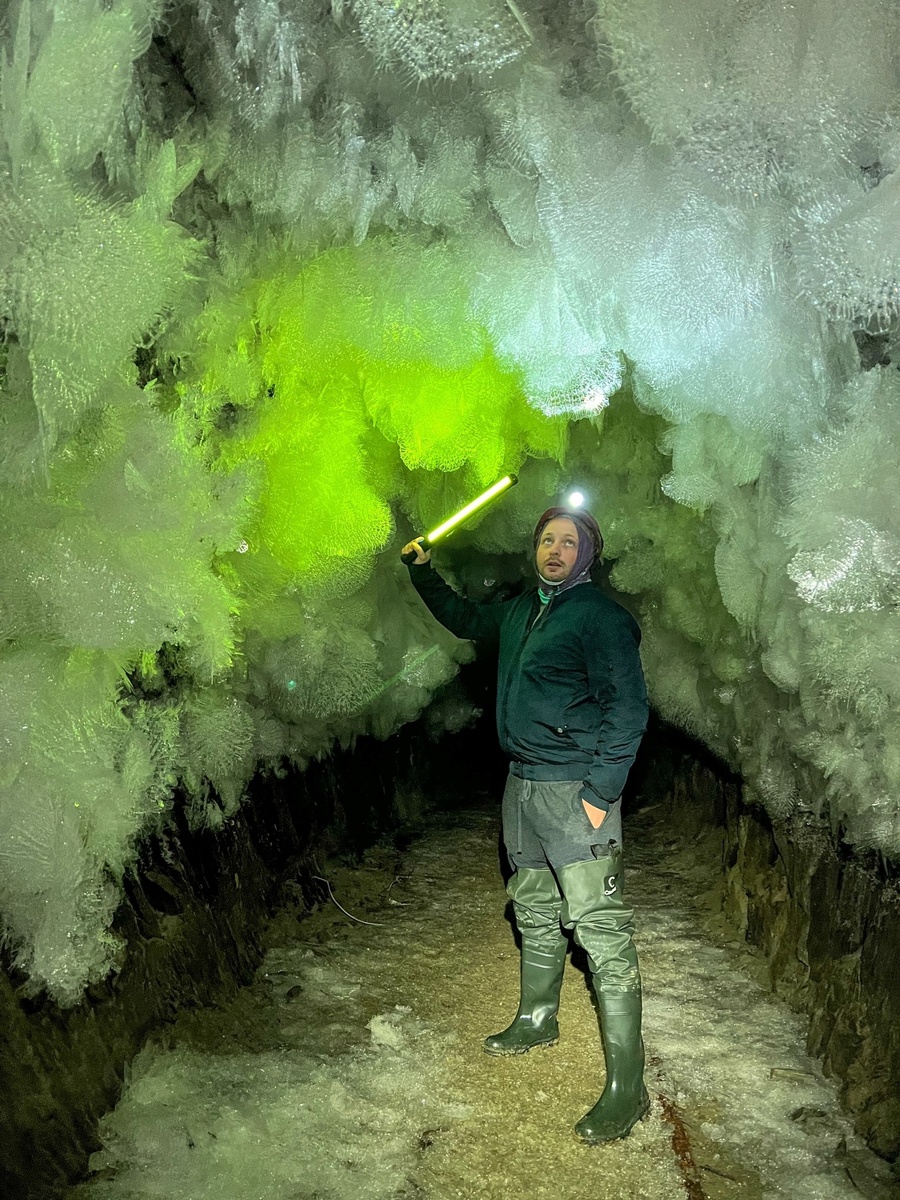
[
  {"x": 595, "y": 815},
  {"x": 413, "y": 547}
]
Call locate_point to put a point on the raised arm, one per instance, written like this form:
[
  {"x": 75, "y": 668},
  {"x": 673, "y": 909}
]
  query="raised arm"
[{"x": 464, "y": 618}]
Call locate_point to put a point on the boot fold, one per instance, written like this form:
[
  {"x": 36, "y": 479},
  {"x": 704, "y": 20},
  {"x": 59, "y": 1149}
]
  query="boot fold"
[
  {"x": 537, "y": 903},
  {"x": 603, "y": 926},
  {"x": 601, "y": 921}
]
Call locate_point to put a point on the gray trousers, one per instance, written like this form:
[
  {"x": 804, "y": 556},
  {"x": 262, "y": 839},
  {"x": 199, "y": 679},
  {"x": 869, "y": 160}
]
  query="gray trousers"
[
  {"x": 568, "y": 873},
  {"x": 545, "y": 825}
]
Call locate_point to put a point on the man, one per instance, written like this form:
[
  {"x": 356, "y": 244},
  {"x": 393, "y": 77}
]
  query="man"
[{"x": 571, "y": 711}]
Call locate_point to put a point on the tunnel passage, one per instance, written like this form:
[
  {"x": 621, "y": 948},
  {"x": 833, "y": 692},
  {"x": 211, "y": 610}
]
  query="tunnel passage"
[
  {"x": 283, "y": 284},
  {"x": 197, "y": 908},
  {"x": 194, "y": 912}
]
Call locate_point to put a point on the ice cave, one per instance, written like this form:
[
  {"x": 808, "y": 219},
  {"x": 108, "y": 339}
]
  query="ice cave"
[{"x": 285, "y": 283}]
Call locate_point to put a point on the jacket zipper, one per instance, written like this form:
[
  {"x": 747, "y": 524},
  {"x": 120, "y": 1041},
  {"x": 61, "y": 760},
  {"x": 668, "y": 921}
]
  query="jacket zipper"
[{"x": 544, "y": 608}]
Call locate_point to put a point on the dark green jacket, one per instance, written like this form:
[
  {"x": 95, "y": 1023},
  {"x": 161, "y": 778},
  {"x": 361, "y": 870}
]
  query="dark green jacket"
[{"x": 571, "y": 701}]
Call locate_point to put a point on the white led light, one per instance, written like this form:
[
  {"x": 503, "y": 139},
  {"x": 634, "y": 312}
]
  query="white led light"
[{"x": 575, "y": 499}]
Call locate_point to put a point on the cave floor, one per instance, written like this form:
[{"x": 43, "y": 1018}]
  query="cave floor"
[{"x": 352, "y": 1066}]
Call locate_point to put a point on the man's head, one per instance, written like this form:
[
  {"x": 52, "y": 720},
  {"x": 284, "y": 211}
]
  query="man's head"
[
  {"x": 557, "y": 549},
  {"x": 566, "y": 544}
]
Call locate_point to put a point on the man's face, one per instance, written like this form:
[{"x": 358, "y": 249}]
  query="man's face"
[{"x": 557, "y": 549}]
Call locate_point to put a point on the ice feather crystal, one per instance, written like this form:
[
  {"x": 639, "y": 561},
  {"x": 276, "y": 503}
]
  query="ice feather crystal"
[{"x": 281, "y": 284}]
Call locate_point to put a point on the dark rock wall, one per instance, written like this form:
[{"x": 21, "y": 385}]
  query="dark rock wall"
[
  {"x": 193, "y": 915},
  {"x": 829, "y": 923},
  {"x": 826, "y": 920}
]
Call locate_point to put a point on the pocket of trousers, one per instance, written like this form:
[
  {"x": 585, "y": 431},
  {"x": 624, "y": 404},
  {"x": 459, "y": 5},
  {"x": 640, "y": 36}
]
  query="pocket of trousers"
[{"x": 595, "y": 815}]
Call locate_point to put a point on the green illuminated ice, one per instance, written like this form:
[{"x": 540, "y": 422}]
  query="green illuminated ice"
[{"x": 282, "y": 284}]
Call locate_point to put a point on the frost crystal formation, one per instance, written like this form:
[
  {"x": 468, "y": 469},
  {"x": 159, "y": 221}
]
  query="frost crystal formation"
[{"x": 282, "y": 283}]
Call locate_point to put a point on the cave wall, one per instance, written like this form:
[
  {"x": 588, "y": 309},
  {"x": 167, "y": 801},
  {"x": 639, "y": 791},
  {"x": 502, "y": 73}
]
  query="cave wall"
[
  {"x": 285, "y": 283},
  {"x": 825, "y": 920},
  {"x": 192, "y": 920}
]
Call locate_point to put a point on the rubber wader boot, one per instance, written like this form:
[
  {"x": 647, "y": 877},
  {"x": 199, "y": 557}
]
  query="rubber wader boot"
[
  {"x": 603, "y": 927},
  {"x": 537, "y": 904}
]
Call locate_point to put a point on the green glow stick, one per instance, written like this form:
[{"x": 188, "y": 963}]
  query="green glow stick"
[{"x": 497, "y": 489}]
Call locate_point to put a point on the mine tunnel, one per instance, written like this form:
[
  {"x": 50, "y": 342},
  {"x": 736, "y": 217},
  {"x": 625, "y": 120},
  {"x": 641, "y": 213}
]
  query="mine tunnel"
[{"x": 562, "y": 862}]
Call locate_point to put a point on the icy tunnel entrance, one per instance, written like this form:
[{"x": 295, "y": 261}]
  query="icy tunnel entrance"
[
  {"x": 351, "y": 1065},
  {"x": 258, "y": 257}
]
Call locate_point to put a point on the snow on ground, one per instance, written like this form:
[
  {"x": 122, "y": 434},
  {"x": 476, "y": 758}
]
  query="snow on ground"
[{"x": 353, "y": 1068}]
